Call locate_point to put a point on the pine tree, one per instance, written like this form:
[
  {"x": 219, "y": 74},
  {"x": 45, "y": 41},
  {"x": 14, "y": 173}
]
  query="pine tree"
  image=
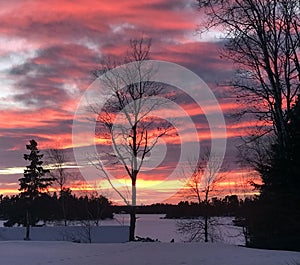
[
  {"x": 275, "y": 223},
  {"x": 34, "y": 181}
]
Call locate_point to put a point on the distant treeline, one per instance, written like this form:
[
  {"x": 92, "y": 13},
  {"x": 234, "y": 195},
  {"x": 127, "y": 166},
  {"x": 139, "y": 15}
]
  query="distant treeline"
[
  {"x": 228, "y": 206},
  {"x": 46, "y": 207},
  {"x": 68, "y": 207}
]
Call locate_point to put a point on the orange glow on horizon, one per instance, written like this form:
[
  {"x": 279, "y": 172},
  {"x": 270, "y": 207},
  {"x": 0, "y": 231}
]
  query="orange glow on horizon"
[{"x": 235, "y": 184}]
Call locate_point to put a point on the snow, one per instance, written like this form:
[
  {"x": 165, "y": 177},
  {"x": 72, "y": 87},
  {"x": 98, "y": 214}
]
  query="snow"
[
  {"x": 156, "y": 227},
  {"x": 138, "y": 253},
  {"x": 147, "y": 225},
  {"x": 85, "y": 234},
  {"x": 153, "y": 226}
]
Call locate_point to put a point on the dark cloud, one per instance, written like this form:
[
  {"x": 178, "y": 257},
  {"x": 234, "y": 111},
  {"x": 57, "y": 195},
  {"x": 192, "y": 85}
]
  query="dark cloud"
[
  {"x": 167, "y": 5},
  {"x": 43, "y": 80}
]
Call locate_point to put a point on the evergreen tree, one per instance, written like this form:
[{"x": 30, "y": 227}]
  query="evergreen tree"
[
  {"x": 275, "y": 223},
  {"x": 34, "y": 181}
]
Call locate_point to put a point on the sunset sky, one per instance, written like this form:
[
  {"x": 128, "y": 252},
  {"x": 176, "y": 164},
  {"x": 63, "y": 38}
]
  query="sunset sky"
[{"x": 48, "y": 50}]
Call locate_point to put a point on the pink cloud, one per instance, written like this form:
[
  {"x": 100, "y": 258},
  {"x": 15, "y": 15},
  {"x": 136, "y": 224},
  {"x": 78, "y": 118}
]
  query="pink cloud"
[{"x": 57, "y": 44}]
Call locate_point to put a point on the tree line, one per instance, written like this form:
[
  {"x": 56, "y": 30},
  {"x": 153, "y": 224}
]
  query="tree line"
[
  {"x": 230, "y": 205},
  {"x": 34, "y": 203},
  {"x": 47, "y": 207}
]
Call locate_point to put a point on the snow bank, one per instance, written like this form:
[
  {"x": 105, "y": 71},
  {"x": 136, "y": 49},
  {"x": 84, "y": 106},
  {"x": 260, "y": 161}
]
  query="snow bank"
[
  {"x": 86, "y": 234},
  {"x": 136, "y": 253}
]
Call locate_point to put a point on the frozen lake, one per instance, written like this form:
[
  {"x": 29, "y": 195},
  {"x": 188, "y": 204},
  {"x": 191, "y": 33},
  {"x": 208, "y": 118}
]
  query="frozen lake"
[{"x": 156, "y": 227}]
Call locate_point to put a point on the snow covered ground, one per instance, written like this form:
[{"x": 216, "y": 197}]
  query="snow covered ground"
[
  {"x": 138, "y": 253},
  {"x": 154, "y": 226},
  {"x": 83, "y": 234}
]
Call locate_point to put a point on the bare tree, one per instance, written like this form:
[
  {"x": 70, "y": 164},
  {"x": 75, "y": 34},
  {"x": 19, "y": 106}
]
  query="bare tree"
[
  {"x": 263, "y": 39},
  {"x": 125, "y": 121},
  {"x": 57, "y": 162},
  {"x": 98, "y": 202},
  {"x": 203, "y": 181}
]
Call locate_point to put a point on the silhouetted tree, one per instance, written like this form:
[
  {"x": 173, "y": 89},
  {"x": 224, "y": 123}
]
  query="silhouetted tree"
[
  {"x": 34, "y": 181},
  {"x": 263, "y": 39},
  {"x": 275, "y": 224},
  {"x": 134, "y": 135},
  {"x": 56, "y": 159},
  {"x": 200, "y": 185}
]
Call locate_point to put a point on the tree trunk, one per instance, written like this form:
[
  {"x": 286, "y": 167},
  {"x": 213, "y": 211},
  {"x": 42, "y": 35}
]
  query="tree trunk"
[
  {"x": 133, "y": 196},
  {"x": 132, "y": 224},
  {"x": 27, "y": 226},
  {"x": 206, "y": 228},
  {"x": 64, "y": 211},
  {"x": 132, "y": 212},
  {"x": 206, "y": 215}
]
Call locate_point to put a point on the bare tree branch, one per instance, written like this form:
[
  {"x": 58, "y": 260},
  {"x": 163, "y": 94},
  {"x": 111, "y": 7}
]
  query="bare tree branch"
[
  {"x": 263, "y": 42},
  {"x": 126, "y": 120}
]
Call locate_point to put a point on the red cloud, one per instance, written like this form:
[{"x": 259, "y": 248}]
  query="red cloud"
[{"x": 51, "y": 48}]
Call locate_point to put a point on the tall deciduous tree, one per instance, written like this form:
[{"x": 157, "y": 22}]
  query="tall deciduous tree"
[
  {"x": 263, "y": 39},
  {"x": 35, "y": 180},
  {"x": 133, "y": 135}
]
